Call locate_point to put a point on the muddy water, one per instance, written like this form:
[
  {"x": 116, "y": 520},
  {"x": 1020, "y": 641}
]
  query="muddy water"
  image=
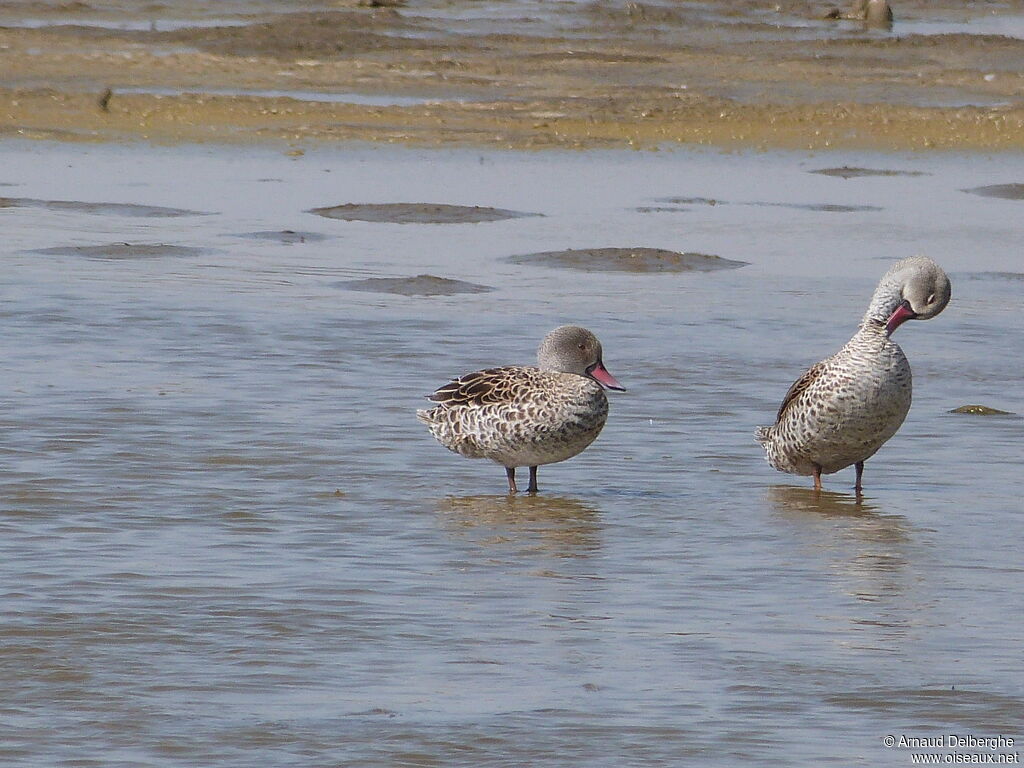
[{"x": 226, "y": 541}]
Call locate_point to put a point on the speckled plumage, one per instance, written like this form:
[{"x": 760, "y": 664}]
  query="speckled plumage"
[
  {"x": 518, "y": 416},
  {"x": 522, "y": 416},
  {"x": 843, "y": 409}
]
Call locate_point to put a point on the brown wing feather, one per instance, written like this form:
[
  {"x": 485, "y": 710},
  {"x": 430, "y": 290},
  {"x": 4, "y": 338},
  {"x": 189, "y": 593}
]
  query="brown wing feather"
[
  {"x": 493, "y": 385},
  {"x": 799, "y": 386}
]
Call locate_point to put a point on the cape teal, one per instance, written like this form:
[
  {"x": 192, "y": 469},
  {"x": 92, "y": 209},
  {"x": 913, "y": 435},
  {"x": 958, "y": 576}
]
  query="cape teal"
[
  {"x": 843, "y": 409},
  {"x": 521, "y": 416}
]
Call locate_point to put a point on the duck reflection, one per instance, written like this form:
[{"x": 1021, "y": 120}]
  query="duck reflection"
[
  {"x": 555, "y": 525},
  {"x": 864, "y": 552},
  {"x": 852, "y": 516},
  {"x": 798, "y": 499}
]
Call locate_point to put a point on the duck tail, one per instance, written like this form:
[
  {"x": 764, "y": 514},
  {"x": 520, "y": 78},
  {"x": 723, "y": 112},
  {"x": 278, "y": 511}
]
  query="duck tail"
[{"x": 763, "y": 435}]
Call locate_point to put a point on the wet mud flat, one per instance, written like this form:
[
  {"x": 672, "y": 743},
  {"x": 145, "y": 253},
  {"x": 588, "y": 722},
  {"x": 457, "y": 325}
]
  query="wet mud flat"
[{"x": 516, "y": 74}]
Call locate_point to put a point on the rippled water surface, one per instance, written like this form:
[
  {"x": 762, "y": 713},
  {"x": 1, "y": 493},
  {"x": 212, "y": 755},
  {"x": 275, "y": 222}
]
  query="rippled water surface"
[{"x": 226, "y": 541}]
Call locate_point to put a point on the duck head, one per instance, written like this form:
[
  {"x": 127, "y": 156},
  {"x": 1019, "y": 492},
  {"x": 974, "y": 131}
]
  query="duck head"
[
  {"x": 571, "y": 349},
  {"x": 913, "y": 289}
]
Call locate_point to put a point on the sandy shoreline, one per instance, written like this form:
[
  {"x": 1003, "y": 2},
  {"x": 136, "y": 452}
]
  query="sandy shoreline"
[{"x": 591, "y": 75}]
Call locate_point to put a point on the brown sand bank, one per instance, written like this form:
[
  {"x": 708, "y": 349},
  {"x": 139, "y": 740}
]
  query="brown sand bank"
[{"x": 512, "y": 74}]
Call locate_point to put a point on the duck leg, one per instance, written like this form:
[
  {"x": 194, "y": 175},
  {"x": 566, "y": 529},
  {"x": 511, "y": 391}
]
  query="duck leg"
[
  {"x": 510, "y": 473},
  {"x": 860, "y": 473},
  {"x": 817, "y": 477},
  {"x": 533, "y": 480}
]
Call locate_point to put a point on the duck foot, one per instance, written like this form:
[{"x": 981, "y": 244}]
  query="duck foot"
[
  {"x": 817, "y": 477},
  {"x": 510, "y": 473},
  {"x": 533, "y": 480},
  {"x": 858, "y": 487}
]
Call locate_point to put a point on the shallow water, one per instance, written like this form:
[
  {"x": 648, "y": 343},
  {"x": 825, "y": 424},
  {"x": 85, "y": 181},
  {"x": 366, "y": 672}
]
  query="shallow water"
[
  {"x": 924, "y": 19},
  {"x": 377, "y": 100},
  {"x": 226, "y": 541}
]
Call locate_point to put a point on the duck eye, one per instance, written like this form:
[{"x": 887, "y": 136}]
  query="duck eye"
[
  {"x": 930, "y": 299},
  {"x": 583, "y": 347}
]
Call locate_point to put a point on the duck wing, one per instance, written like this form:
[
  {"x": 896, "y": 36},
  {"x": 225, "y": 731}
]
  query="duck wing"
[
  {"x": 493, "y": 385},
  {"x": 800, "y": 386}
]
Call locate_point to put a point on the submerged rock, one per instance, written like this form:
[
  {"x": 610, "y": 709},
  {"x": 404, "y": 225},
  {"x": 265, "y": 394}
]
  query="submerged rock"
[
  {"x": 981, "y": 410},
  {"x": 628, "y": 260}
]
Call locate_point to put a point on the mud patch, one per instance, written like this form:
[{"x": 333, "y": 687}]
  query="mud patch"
[
  {"x": 981, "y": 410},
  {"x": 850, "y": 172},
  {"x": 627, "y": 260},
  {"x": 1011, "y": 276},
  {"x": 686, "y": 81},
  {"x": 285, "y": 236},
  {"x": 1002, "y": 191},
  {"x": 689, "y": 200},
  {"x": 420, "y": 285},
  {"x": 596, "y": 56},
  {"x": 825, "y": 207},
  {"x": 120, "y": 251},
  {"x": 104, "y": 209},
  {"x": 42, "y": 134},
  {"x": 302, "y": 35},
  {"x": 417, "y": 213}
]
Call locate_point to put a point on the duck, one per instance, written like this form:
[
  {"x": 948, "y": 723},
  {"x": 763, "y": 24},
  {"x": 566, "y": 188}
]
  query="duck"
[
  {"x": 874, "y": 13},
  {"x": 526, "y": 416},
  {"x": 846, "y": 407}
]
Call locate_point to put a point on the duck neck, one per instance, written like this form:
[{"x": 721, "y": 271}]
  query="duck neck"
[
  {"x": 888, "y": 295},
  {"x": 872, "y": 328}
]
